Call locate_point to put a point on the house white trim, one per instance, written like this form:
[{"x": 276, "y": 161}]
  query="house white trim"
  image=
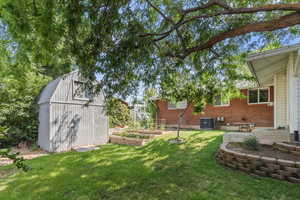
[
  {"x": 258, "y": 96},
  {"x": 280, "y": 67}
]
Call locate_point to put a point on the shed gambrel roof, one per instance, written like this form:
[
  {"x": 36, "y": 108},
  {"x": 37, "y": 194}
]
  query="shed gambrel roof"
[{"x": 48, "y": 91}]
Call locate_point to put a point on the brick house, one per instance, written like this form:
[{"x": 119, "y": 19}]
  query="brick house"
[{"x": 257, "y": 107}]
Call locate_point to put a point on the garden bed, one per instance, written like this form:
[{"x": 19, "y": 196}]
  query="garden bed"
[
  {"x": 130, "y": 138},
  {"x": 267, "y": 161},
  {"x": 151, "y": 132}
]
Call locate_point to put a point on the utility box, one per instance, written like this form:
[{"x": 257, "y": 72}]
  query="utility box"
[{"x": 207, "y": 123}]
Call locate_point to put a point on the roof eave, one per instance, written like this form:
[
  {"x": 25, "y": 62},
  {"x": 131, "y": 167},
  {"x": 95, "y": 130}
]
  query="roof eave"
[{"x": 273, "y": 52}]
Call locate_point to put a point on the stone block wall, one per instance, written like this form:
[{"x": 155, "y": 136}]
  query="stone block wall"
[
  {"x": 259, "y": 165},
  {"x": 293, "y": 149},
  {"x": 128, "y": 141}
]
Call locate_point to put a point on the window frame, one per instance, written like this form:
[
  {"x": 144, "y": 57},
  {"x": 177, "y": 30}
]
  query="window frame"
[
  {"x": 258, "y": 96},
  {"x": 178, "y": 108},
  {"x": 73, "y": 91},
  {"x": 222, "y": 105}
]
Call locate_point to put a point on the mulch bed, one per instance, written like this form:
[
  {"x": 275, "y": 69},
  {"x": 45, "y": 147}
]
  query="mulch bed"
[{"x": 264, "y": 150}]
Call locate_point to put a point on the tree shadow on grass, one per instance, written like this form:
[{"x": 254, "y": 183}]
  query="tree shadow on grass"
[{"x": 159, "y": 170}]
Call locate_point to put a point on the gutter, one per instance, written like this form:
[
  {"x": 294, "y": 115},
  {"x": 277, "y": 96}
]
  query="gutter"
[{"x": 273, "y": 52}]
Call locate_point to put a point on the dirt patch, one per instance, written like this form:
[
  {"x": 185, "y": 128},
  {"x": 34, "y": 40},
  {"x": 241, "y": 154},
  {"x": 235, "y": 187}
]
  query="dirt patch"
[
  {"x": 264, "y": 150},
  {"x": 26, "y": 153},
  {"x": 8, "y": 172}
]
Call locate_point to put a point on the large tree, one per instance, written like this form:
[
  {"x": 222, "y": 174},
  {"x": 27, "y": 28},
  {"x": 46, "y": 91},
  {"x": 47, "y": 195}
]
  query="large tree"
[{"x": 160, "y": 43}]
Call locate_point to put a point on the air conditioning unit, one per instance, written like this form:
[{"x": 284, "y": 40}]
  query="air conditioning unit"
[{"x": 207, "y": 123}]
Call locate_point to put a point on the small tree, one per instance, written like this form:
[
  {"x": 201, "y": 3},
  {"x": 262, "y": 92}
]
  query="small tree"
[
  {"x": 119, "y": 113},
  {"x": 149, "y": 98},
  {"x": 199, "y": 91}
]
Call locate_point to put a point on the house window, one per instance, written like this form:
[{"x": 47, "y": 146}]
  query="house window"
[
  {"x": 80, "y": 91},
  {"x": 220, "y": 100},
  {"x": 257, "y": 96},
  {"x": 178, "y": 105}
]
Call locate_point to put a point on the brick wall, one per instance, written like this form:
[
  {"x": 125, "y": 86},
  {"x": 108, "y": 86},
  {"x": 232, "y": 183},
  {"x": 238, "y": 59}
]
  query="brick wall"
[{"x": 238, "y": 111}]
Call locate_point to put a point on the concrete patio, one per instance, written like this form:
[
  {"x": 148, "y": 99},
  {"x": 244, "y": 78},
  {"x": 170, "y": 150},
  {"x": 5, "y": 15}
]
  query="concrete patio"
[{"x": 264, "y": 135}]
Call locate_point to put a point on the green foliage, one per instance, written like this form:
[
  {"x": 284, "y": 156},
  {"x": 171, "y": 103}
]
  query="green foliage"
[
  {"x": 148, "y": 124},
  {"x": 251, "y": 143},
  {"x": 19, "y": 106},
  {"x": 45, "y": 38},
  {"x": 20, "y": 85},
  {"x": 135, "y": 125},
  {"x": 17, "y": 160},
  {"x": 119, "y": 113},
  {"x": 105, "y": 37}
]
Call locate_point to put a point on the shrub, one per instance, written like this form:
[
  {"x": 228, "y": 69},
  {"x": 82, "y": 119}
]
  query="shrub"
[
  {"x": 251, "y": 143},
  {"x": 18, "y": 108},
  {"x": 119, "y": 113}
]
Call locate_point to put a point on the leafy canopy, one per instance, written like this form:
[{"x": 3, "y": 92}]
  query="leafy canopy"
[{"x": 185, "y": 48}]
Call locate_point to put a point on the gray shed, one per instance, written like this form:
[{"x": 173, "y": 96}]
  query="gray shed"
[{"x": 69, "y": 116}]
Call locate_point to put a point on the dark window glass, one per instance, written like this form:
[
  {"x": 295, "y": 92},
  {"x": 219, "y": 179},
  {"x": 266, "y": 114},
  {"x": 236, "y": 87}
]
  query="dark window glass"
[
  {"x": 253, "y": 96},
  {"x": 218, "y": 100},
  {"x": 263, "y": 95},
  {"x": 171, "y": 106},
  {"x": 178, "y": 105},
  {"x": 80, "y": 91}
]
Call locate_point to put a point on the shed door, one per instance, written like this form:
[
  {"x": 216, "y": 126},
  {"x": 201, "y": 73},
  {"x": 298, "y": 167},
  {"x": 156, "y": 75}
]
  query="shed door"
[{"x": 101, "y": 126}]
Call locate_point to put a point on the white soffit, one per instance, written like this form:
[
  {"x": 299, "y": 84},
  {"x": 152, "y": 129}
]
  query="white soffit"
[{"x": 264, "y": 65}]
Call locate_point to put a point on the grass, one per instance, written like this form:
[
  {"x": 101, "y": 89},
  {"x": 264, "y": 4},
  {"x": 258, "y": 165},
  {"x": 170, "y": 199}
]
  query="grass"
[{"x": 158, "y": 170}]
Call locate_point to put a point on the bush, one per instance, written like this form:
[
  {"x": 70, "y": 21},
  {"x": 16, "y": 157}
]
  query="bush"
[
  {"x": 18, "y": 107},
  {"x": 251, "y": 143},
  {"x": 119, "y": 113}
]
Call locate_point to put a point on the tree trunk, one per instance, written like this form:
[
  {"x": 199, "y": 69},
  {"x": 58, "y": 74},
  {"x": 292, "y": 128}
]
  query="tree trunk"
[{"x": 181, "y": 115}]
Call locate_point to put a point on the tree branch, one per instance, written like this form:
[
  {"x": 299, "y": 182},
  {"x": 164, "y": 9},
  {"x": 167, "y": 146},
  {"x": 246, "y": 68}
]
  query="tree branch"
[
  {"x": 207, "y": 5},
  {"x": 160, "y": 12},
  {"x": 266, "y": 8},
  {"x": 231, "y": 11},
  {"x": 282, "y": 22}
]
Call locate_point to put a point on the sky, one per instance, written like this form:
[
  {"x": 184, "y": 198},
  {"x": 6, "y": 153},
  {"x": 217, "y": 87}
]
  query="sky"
[{"x": 294, "y": 41}]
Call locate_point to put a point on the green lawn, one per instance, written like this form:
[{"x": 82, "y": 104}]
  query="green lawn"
[{"x": 158, "y": 170}]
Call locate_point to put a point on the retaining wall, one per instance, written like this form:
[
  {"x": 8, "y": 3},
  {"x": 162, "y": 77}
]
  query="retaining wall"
[
  {"x": 260, "y": 165},
  {"x": 288, "y": 148},
  {"x": 128, "y": 141}
]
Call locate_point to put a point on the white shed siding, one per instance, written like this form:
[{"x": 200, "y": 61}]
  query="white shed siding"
[
  {"x": 70, "y": 122},
  {"x": 77, "y": 125},
  {"x": 64, "y": 91},
  {"x": 281, "y": 99},
  {"x": 44, "y": 127}
]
